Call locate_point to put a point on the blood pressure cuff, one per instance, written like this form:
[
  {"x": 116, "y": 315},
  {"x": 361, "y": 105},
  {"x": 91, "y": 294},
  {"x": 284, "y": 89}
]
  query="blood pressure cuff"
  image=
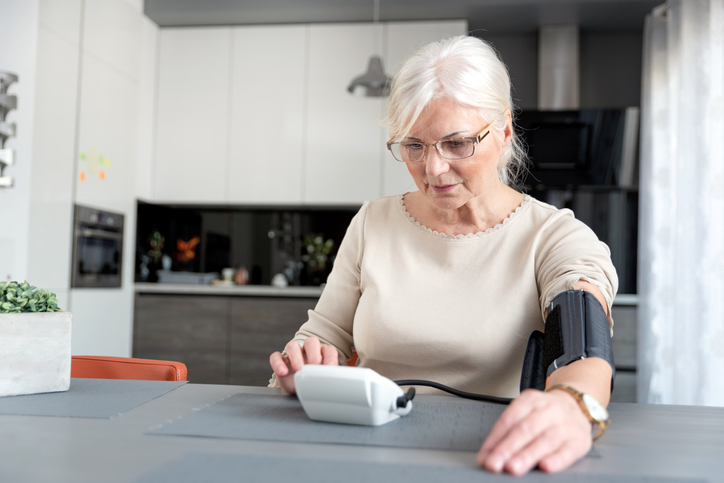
[{"x": 576, "y": 328}]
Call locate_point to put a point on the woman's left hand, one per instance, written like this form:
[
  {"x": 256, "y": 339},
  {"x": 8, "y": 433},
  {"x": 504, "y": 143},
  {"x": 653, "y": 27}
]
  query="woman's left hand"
[{"x": 547, "y": 429}]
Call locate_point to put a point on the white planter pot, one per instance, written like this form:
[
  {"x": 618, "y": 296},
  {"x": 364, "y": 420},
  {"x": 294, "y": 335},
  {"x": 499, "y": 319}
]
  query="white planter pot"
[{"x": 34, "y": 352}]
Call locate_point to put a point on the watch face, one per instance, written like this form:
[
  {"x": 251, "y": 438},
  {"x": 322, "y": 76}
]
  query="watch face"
[{"x": 597, "y": 411}]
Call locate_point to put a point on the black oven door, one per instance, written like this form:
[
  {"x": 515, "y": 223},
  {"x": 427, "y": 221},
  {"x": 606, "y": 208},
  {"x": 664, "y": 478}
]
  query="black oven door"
[{"x": 97, "y": 256}]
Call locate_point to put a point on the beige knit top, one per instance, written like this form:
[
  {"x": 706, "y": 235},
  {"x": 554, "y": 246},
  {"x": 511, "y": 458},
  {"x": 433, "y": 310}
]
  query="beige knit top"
[{"x": 458, "y": 310}]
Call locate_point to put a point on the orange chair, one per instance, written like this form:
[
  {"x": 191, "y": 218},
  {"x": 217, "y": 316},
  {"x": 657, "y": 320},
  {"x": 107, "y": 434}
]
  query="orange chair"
[{"x": 96, "y": 367}]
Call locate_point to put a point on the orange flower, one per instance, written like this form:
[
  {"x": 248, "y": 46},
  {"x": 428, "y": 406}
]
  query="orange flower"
[{"x": 187, "y": 249}]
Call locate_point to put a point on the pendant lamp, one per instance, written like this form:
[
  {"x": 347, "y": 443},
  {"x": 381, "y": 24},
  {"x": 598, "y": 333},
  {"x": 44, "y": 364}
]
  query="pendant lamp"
[{"x": 374, "y": 82}]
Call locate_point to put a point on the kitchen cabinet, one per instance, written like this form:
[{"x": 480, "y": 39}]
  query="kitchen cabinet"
[
  {"x": 61, "y": 18},
  {"x": 192, "y": 139},
  {"x": 343, "y": 136},
  {"x": 146, "y": 125},
  {"x": 107, "y": 138},
  {"x": 112, "y": 33},
  {"x": 51, "y": 195},
  {"x": 262, "y": 115},
  {"x": 267, "y": 118},
  {"x": 192, "y": 330},
  {"x": 260, "y": 326},
  {"x": 347, "y": 160},
  {"x": 624, "y": 352},
  {"x": 221, "y": 339}
]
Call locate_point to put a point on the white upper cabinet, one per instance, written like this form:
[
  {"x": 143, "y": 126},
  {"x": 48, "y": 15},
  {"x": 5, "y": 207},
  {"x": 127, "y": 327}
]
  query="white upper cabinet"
[
  {"x": 146, "y": 126},
  {"x": 107, "y": 137},
  {"x": 193, "y": 115},
  {"x": 267, "y": 119},
  {"x": 112, "y": 33},
  {"x": 403, "y": 40},
  {"x": 342, "y": 156},
  {"x": 109, "y": 105},
  {"x": 54, "y": 121},
  {"x": 63, "y": 18},
  {"x": 262, "y": 115}
]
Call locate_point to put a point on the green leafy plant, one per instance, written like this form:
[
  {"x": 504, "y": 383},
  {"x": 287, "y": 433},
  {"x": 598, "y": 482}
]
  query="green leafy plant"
[
  {"x": 22, "y": 297},
  {"x": 156, "y": 240},
  {"x": 317, "y": 251}
]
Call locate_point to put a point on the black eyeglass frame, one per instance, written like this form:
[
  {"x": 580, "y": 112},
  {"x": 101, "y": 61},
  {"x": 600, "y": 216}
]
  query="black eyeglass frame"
[{"x": 475, "y": 139}]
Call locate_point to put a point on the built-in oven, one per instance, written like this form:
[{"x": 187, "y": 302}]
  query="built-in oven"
[{"x": 97, "y": 248}]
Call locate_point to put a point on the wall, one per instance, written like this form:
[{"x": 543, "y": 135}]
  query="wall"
[
  {"x": 611, "y": 69},
  {"x": 520, "y": 54},
  {"x": 18, "y": 40}
]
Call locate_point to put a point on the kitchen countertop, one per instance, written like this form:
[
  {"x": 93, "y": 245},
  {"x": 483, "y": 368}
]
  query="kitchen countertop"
[
  {"x": 230, "y": 290},
  {"x": 270, "y": 291}
]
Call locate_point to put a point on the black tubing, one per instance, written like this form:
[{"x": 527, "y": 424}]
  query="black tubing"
[{"x": 456, "y": 392}]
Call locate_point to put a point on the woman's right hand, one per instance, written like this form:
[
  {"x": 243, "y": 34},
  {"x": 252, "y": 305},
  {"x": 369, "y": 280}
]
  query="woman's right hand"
[{"x": 286, "y": 364}]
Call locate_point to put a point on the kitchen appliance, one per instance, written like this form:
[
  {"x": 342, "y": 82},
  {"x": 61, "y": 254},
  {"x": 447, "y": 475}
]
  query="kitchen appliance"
[{"x": 97, "y": 248}]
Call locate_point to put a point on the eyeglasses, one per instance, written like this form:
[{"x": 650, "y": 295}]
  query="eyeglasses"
[{"x": 455, "y": 148}]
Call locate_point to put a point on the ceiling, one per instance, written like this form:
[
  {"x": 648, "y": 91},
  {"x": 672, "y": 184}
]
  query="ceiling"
[{"x": 494, "y": 16}]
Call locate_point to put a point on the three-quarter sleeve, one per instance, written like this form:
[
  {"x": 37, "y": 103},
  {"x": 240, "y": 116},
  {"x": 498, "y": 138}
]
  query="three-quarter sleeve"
[{"x": 569, "y": 251}]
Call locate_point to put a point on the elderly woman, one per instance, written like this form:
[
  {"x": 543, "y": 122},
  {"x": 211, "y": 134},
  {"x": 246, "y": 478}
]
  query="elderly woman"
[{"x": 446, "y": 283}]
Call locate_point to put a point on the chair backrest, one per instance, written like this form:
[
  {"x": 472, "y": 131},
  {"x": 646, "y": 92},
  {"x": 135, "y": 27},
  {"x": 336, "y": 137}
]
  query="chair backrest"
[{"x": 97, "y": 367}]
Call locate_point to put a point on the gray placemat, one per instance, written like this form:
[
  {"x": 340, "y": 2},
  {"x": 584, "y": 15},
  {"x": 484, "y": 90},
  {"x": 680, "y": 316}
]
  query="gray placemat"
[
  {"x": 454, "y": 425},
  {"x": 196, "y": 467},
  {"x": 89, "y": 398}
]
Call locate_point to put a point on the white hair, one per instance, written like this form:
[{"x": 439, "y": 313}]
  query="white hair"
[{"x": 468, "y": 71}]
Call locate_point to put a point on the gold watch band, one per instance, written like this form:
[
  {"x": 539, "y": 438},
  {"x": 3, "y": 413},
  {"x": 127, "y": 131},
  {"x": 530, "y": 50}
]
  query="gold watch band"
[{"x": 602, "y": 425}]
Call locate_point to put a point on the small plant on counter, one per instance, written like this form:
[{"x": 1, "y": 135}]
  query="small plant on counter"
[
  {"x": 318, "y": 250},
  {"x": 17, "y": 297},
  {"x": 156, "y": 241}
]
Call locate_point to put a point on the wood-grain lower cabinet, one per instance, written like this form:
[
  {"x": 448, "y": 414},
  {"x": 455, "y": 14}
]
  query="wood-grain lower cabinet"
[
  {"x": 221, "y": 339},
  {"x": 189, "y": 329},
  {"x": 260, "y": 326}
]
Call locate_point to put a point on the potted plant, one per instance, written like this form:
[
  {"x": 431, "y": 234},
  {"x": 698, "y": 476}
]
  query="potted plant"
[
  {"x": 317, "y": 255},
  {"x": 34, "y": 341}
]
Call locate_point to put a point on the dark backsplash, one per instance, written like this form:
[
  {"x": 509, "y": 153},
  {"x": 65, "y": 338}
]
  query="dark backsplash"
[{"x": 265, "y": 241}]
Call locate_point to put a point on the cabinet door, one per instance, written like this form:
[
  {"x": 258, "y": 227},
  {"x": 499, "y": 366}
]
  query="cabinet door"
[
  {"x": 112, "y": 32},
  {"x": 403, "y": 40},
  {"x": 260, "y": 326},
  {"x": 107, "y": 137},
  {"x": 192, "y": 330},
  {"x": 51, "y": 199},
  {"x": 193, "y": 115},
  {"x": 343, "y": 149},
  {"x": 267, "y": 119}
]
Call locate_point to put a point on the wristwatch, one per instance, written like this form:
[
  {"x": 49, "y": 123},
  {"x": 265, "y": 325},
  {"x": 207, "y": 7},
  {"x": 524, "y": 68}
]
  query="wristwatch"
[{"x": 594, "y": 410}]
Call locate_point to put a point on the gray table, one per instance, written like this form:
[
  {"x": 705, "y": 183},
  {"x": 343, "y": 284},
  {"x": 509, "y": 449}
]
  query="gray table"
[{"x": 644, "y": 440}]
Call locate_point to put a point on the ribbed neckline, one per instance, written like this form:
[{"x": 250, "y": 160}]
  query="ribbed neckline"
[{"x": 509, "y": 219}]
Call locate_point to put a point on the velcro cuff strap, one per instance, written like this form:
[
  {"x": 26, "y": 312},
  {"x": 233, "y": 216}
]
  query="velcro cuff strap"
[{"x": 576, "y": 328}]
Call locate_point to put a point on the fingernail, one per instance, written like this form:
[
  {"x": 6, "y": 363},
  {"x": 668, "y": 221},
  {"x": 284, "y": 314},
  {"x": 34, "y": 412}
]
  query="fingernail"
[{"x": 495, "y": 464}]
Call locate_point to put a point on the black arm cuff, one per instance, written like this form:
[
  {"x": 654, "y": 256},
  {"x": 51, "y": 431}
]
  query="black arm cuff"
[{"x": 576, "y": 328}]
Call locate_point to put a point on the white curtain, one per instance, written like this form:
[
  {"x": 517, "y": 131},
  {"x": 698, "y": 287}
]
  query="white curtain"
[{"x": 681, "y": 220}]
